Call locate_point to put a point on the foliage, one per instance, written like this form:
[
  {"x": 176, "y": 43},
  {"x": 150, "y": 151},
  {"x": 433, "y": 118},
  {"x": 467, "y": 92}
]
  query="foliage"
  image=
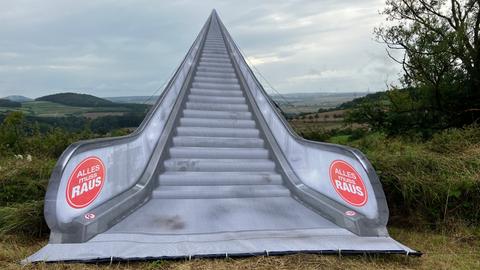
[
  {"x": 12, "y": 132},
  {"x": 399, "y": 112},
  {"x": 104, "y": 124},
  {"x": 28, "y": 154},
  {"x": 23, "y": 218},
  {"x": 24, "y": 180},
  {"x": 439, "y": 42},
  {"x": 428, "y": 182},
  {"x": 374, "y": 97}
]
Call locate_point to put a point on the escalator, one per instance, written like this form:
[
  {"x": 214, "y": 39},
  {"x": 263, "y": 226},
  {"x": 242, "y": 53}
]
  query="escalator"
[{"x": 213, "y": 171}]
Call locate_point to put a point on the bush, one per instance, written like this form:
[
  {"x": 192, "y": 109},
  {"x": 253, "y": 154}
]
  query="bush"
[
  {"x": 28, "y": 153},
  {"x": 22, "y": 180},
  {"x": 23, "y": 218},
  {"x": 455, "y": 140},
  {"x": 434, "y": 181}
]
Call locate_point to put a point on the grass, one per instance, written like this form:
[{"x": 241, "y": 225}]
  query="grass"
[
  {"x": 433, "y": 188},
  {"x": 455, "y": 250},
  {"x": 431, "y": 182}
]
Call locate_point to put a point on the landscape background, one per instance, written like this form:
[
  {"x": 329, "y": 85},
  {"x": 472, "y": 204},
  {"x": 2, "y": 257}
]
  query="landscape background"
[
  {"x": 419, "y": 127},
  {"x": 431, "y": 183}
]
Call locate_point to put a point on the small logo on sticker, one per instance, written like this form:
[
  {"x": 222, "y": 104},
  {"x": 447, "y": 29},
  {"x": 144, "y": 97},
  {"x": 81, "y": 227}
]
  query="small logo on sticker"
[
  {"x": 85, "y": 182},
  {"x": 348, "y": 183},
  {"x": 350, "y": 213},
  {"x": 89, "y": 216}
]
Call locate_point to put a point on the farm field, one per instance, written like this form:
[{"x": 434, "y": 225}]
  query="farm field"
[{"x": 51, "y": 109}]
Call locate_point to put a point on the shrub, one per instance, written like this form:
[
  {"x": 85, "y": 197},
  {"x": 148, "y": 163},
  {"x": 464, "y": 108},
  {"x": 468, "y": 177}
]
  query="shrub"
[
  {"x": 434, "y": 181},
  {"x": 23, "y": 218}
]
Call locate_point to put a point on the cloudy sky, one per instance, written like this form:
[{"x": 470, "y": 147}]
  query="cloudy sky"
[{"x": 130, "y": 47}]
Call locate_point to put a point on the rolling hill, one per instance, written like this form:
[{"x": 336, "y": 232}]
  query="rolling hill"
[
  {"x": 71, "y": 104},
  {"x": 78, "y": 100},
  {"x": 18, "y": 98}
]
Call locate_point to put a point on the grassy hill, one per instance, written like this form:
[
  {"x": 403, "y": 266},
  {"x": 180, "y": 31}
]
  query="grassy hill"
[
  {"x": 78, "y": 100},
  {"x": 71, "y": 104}
]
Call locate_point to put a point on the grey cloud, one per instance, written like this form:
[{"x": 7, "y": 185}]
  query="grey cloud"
[{"x": 130, "y": 47}]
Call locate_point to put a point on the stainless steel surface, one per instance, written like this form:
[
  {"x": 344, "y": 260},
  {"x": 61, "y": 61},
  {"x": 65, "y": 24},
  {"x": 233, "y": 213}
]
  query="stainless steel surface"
[{"x": 214, "y": 171}]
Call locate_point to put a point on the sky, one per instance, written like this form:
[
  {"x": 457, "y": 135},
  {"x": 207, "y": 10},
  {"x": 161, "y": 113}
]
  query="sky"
[{"x": 131, "y": 47}]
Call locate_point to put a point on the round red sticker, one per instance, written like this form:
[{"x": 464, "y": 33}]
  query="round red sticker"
[
  {"x": 85, "y": 182},
  {"x": 348, "y": 183}
]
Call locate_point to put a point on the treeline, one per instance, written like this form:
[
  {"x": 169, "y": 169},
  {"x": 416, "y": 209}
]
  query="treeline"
[
  {"x": 20, "y": 134},
  {"x": 100, "y": 125},
  {"x": 9, "y": 104},
  {"x": 440, "y": 86}
]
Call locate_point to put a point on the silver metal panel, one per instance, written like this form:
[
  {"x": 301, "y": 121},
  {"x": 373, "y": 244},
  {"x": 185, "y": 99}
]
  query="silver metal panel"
[
  {"x": 214, "y": 170},
  {"x": 306, "y": 163}
]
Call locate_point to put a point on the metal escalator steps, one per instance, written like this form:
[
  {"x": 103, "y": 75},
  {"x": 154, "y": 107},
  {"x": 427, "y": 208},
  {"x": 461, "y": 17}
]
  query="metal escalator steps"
[
  {"x": 216, "y": 74},
  {"x": 219, "y": 165},
  {"x": 223, "y": 86},
  {"x": 214, "y": 60},
  {"x": 216, "y": 69},
  {"x": 217, "y": 51},
  {"x": 207, "y": 122},
  {"x": 214, "y": 65},
  {"x": 218, "y": 152},
  {"x": 211, "y": 46},
  {"x": 217, "y": 114},
  {"x": 198, "y": 141},
  {"x": 215, "y": 56},
  {"x": 207, "y": 79},
  {"x": 219, "y": 178},
  {"x": 210, "y": 192},
  {"x": 218, "y": 132},
  {"x": 216, "y": 92},
  {"x": 210, "y": 99},
  {"x": 217, "y": 107}
]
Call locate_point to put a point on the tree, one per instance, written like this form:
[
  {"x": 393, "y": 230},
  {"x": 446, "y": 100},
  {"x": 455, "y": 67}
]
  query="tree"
[
  {"x": 439, "y": 41},
  {"x": 12, "y": 132}
]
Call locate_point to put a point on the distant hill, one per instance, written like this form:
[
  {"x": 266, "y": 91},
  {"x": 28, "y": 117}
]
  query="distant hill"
[
  {"x": 134, "y": 99},
  {"x": 18, "y": 98},
  {"x": 8, "y": 103},
  {"x": 378, "y": 96},
  {"x": 78, "y": 100}
]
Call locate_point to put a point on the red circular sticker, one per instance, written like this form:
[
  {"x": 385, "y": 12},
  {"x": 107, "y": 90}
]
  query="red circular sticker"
[
  {"x": 86, "y": 182},
  {"x": 348, "y": 183}
]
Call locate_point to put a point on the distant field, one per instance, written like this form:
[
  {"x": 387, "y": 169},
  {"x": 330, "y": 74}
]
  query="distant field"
[
  {"x": 311, "y": 102},
  {"x": 93, "y": 115},
  {"x": 315, "y": 122},
  {"x": 290, "y": 103},
  {"x": 51, "y": 109}
]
